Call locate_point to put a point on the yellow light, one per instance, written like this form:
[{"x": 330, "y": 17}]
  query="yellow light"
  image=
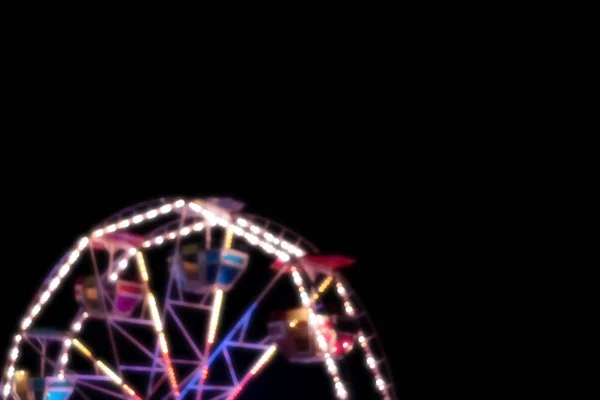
[
  {"x": 323, "y": 287},
  {"x": 267, "y": 355},
  {"x": 228, "y": 237},
  {"x": 154, "y": 313},
  {"x": 325, "y": 284},
  {"x": 106, "y": 370},
  {"x": 262, "y": 361},
  {"x": 214, "y": 318},
  {"x": 82, "y": 348},
  {"x": 112, "y": 375},
  {"x": 142, "y": 266},
  {"x": 157, "y": 323}
]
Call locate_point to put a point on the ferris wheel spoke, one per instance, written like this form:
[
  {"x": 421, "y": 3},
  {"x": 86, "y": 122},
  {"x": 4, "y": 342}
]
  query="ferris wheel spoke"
[
  {"x": 158, "y": 325},
  {"x": 81, "y": 393},
  {"x": 125, "y": 320},
  {"x": 221, "y": 396},
  {"x": 185, "y": 384},
  {"x": 262, "y": 361},
  {"x": 249, "y": 345},
  {"x": 98, "y": 389},
  {"x": 150, "y": 389},
  {"x": 157, "y": 385},
  {"x": 104, "y": 368},
  {"x": 322, "y": 287},
  {"x": 232, "y": 373},
  {"x": 210, "y": 337}
]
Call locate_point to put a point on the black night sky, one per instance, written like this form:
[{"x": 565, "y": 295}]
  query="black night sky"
[{"x": 340, "y": 206}]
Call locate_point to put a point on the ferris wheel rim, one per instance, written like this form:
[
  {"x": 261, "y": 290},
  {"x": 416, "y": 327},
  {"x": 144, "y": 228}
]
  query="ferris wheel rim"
[
  {"x": 163, "y": 201},
  {"x": 299, "y": 238},
  {"x": 131, "y": 209},
  {"x": 357, "y": 301}
]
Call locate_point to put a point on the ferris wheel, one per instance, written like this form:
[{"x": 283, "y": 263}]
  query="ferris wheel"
[{"x": 156, "y": 277}]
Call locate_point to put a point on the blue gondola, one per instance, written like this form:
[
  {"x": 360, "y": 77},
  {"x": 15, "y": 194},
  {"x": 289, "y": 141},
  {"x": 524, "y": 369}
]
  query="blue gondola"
[{"x": 200, "y": 271}]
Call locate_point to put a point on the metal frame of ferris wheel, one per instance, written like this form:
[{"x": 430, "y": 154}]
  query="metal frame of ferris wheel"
[{"x": 176, "y": 300}]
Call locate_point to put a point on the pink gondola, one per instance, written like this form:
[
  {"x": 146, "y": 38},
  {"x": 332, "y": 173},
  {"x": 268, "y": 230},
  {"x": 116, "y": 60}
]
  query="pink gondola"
[{"x": 128, "y": 296}]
